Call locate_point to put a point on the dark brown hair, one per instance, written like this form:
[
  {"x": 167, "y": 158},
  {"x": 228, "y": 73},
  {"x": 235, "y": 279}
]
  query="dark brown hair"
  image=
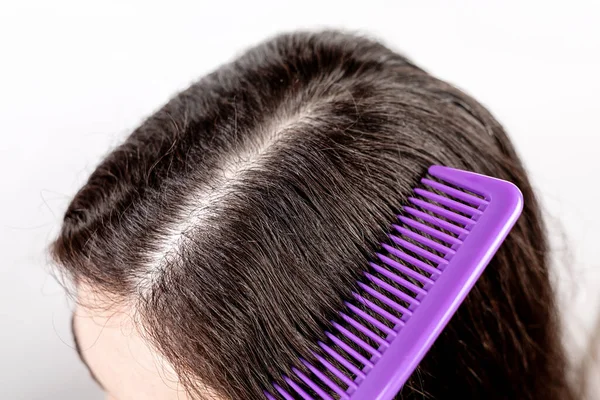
[{"x": 237, "y": 218}]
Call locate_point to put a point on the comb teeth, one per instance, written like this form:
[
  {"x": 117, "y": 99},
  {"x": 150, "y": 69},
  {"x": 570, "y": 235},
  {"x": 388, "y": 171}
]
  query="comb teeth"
[{"x": 429, "y": 235}]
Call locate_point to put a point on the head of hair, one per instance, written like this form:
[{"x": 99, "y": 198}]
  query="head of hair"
[{"x": 237, "y": 219}]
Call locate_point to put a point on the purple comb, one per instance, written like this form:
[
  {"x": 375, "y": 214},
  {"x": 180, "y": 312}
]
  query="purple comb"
[{"x": 441, "y": 246}]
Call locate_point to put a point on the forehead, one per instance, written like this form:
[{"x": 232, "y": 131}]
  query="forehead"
[{"x": 119, "y": 357}]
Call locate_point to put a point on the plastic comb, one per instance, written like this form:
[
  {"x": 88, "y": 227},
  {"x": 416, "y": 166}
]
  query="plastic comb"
[{"x": 441, "y": 245}]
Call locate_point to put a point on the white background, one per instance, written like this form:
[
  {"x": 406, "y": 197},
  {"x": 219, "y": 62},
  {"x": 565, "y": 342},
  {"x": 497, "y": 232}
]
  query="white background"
[{"x": 75, "y": 78}]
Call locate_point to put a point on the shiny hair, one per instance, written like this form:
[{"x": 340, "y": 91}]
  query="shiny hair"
[{"x": 237, "y": 219}]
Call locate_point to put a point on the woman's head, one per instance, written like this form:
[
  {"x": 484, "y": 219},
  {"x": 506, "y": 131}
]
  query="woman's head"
[{"x": 226, "y": 232}]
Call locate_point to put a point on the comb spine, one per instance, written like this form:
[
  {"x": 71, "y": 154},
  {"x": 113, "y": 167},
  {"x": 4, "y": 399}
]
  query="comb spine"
[{"x": 410, "y": 345}]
